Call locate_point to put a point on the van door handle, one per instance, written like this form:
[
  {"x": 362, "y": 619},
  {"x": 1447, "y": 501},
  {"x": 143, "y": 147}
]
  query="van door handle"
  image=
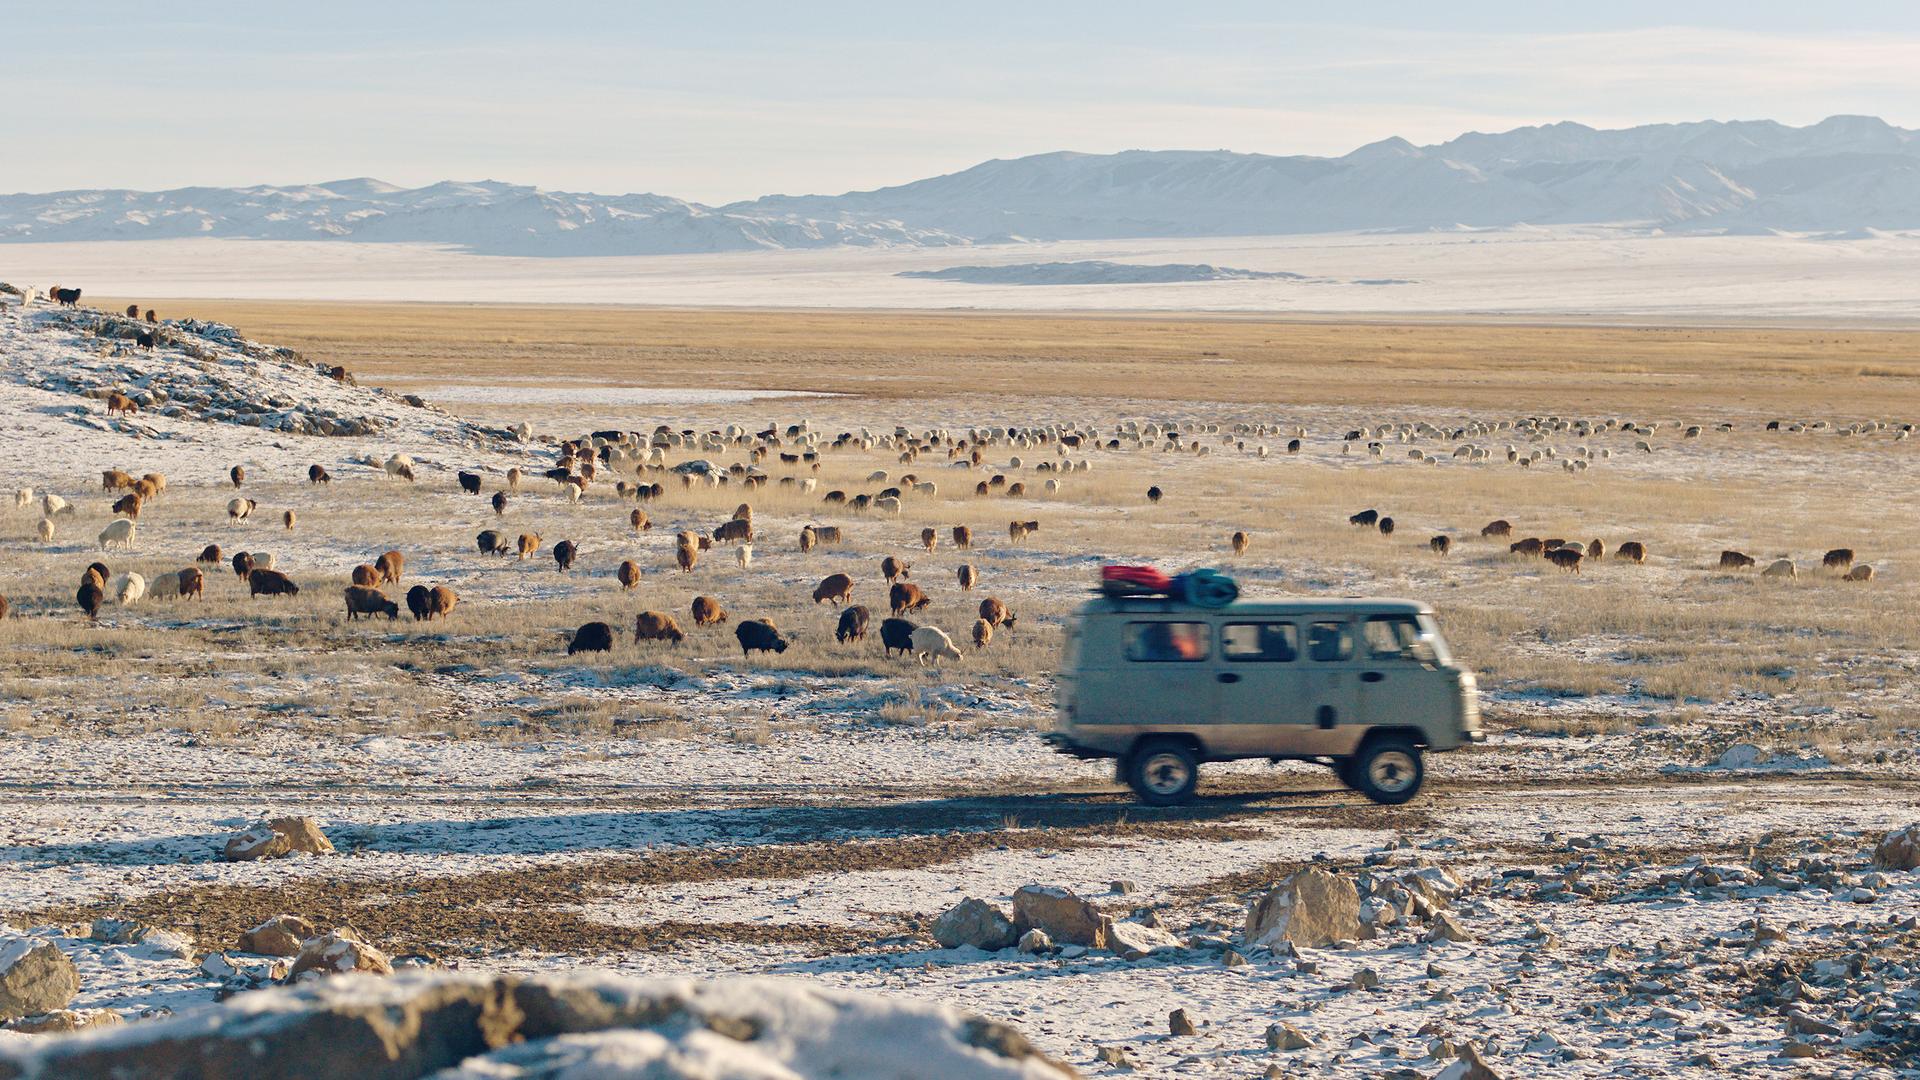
[
  {"x": 1371, "y": 676},
  {"x": 1228, "y": 676}
]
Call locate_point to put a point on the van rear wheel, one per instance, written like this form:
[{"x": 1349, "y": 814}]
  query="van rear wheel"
[
  {"x": 1163, "y": 772},
  {"x": 1388, "y": 770}
]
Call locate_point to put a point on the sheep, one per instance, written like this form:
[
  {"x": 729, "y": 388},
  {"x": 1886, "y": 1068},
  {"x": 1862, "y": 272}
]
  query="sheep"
[
  {"x": 65, "y": 297},
  {"x": 1365, "y": 518},
  {"x": 905, "y": 596},
  {"x": 1385, "y": 525},
  {"x": 968, "y": 576},
  {"x": 887, "y": 504},
  {"x": 237, "y": 474},
  {"x": 317, "y": 474},
  {"x": 1498, "y": 527},
  {"x": 628, "y": 575},
  {"x": 744, "y": 556},
  {"x": 399, "y": 467},
  {"x": 1735, "y": 560},
  {"x": 962, "y": 537},
  {"x": 564, "y": 553},
  {"x": 982, "y": 633},
  {"x": 90, "y": 596},
  {"x": 809, "y": 539},
  {"x": 210, "y": 554},
  {"x": 929, "y": 539},
  {"x": 287, "y": 519},
  {"x": 54, "y": 506},
  {"x": 759, "y": 635},
  {"x": 242, "y": 565},
  {"x": 1440, "y": 545},
  {"x": 657, "y": 626},
  {"x": 469, "y": 482},
  {"x": 119, "y": 533},
  {"x": 263, "y": 582},
  {"x": 1780, "y": 568},
  {"x": 852, "y": 625},
  {"x": 836, "y": 588},
  {"x": 492, "y": 542},
  {"x": 932, "y": 645},
  {"x": 22, "y": 498},
  {"x": 1837, "y": 559},
  {"x": 441, "y": 601},
  {"x": 362, "y": 600},
  {"x": 739, "y": 530},
  {"x": 707, "y": 611},
  {"x": 1018, "y": 531},
  {"x": 513, "y": 479},
  {"x": 1596, "y": 549},
  {"x": 996, "y": 613},
  {"x": 527, "y": 545},
  {"x": 1531, "y": 546},
  {"x": 591, "y": 637},
  {"x": 127, "y": 588},
  {"x": 120, "y": 403},
  {"x": 1566, "y": 558},
  {"x": 827, "y": 535},
  {"x": 743, "y": 512},
  {"x": 128, "y": 505},
  {"x": 639, "y": 520},
  {"x": 686, "y": 556},
  {"x": 420, "y": 602},
  {"x": 896, "y": 634},
  {"x": 1863, "y": 572},
  {"x": 1239, "y": 542},
  {"x": 191, "y": 583},
  {"x": 391, "y": 565},
  {"x": 240, "y": 509},
  {"x": 1632, "y": 551},
  {"x": 366, "y": 576},
  {"x": 112, "y": 480},
  {"x": 893, "y": 568},
  {"x": 98, "y": 572},
  {"x": 45, "y": 529}
]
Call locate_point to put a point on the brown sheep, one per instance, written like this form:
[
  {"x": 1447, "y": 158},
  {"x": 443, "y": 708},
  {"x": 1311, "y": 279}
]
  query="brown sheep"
[
  {"x": 317, "y": 474},
  {"x": 1566, "y": 558},
  {"x": 828, "y": 535},
  {"x": 968, "y": 576},
  {"x": 1863, "y": 572},
  {"x": 905, "y": 596},
  {"x": 1239, "y": 543},
  {"x": 97, "y": 572},
  {"x": 150, "y": 316},
  {"x": 440, "y": 601},
  {"x": 929, "y": 539},
  {"x": 853, "y": 624},
  {"x": 737, "y": 531},
  {"x": 809, "y": 539},
  {"x": 237, "y": 474},
  {"x": 391, "y": 566},
  {"x": 128, "y": 505},
  {"x": 1441, "y": 544},
  {"x": 564, "y": 553},
  {"x": 982, "y": 633},
  {"x": 242, "y": 565},
  {"x": 892, "y": 568},
  {"x": 118, "y": 402},
  {"x": 148, "y": 487},
  {"x": 686, "y": 556},
  {"x": 1596, "y": 549},
  {"x": 995, "y": 612},
  {"x": 628, "y": 574},
  {"x": 192, "y": 583},
  {"x": 91, "y": 595},
  {"x": 837, "y": 588},
  {"x": 743, "y": 512},
  {"x": 271, "y": 583},
  {"x": 366, "y": 576},
  {"x": 1838, "y": 559},
  {"x": 656, "y": 626},
  {"x": 1018, "y": 531},
  {"x": 513, "y": 479},
  {"x": 1735, "y": 560},
  {"x": 1553, "y": 542},
  {"x": 287, "y": 519},
  {"x": 1531, "y": 546},
  {"x": 1632, "y": 551},
  {"x": 528, "y": 544},
  {"x": 707, "y": 611},
  {"x": 1016, "y": 490},
  {"x": 499, "y": 502},
  {"x": 115, "y": 480},
  {"x": 210, "y": 554},
  {"x": 1498, "y": 527},
  {"x": 639, "y": 520},
  {"x": 362, "y": 600},
  {"x": 420, "y": 602},
  {"x": 963, "y": 537}
]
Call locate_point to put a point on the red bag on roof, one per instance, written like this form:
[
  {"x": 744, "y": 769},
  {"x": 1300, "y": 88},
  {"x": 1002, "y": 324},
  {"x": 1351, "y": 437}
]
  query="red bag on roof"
[{"x": 1134, "y": 581}]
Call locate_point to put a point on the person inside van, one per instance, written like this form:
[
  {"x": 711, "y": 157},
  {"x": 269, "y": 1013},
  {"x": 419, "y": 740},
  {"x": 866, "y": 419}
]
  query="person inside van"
[{"x": 1168, "y": 642}]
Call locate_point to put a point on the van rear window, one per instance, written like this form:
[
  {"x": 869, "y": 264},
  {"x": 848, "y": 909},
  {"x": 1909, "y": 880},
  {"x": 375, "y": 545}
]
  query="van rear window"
[
  {"x": 1272, "y": 642},
  {"x": 1168, "y": 642},
  {"x": 1329, "y": 641}
]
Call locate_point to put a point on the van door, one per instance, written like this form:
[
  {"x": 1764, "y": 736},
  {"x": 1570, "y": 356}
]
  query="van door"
[
  {"x": 1262, "y": 687},
  {"x": 1332, "y": 684},
  {"x": 1397, "y": 680},
  {"x": 1165, "y": 681}
]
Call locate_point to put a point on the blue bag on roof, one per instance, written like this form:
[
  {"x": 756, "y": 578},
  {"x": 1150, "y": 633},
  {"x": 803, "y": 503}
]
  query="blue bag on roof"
[{"x": 1206, "y": 588}]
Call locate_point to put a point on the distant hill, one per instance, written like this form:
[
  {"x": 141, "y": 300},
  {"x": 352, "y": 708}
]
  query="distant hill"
[{"x": 1846, "y": 174}]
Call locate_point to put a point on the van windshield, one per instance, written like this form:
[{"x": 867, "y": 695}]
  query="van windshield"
[{"x": 1430, "y": 633}]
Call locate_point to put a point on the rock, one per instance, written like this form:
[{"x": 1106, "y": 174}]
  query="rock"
[
  {"x": 1799, "y": 1050},
  {"x": 1133, "y": 941},
  {"x": 1447, "y": 928},
  {"x": 338, "y": 953},
  {"x": 1899, "y": 849},
  {"x": 1364, "y": 979},
  {"x": 1179, "y": 1023},
  {"x": 1468, "y": 1066},
  {"x": 1035, "y": 941},
  {"x": 1122, "y": 887},
  {"x": 35, "y": 978},
  {"x": 281, "y": 935},
  {"x": 1232, "y": 958},
  {"x": 1065, "y": 917},
  {"x": 245, "y": 972},
  {"x": 1115, "y": 1056},
  {"x": 974, "y": 922},
  {"x": 278, "y": 837},
  {"x": 61, "y": 1021},
  {"x": 1313, "y": 908},
  {"x": 1800, "y": 1023},
  {"x": 1286, "y": 1037}
]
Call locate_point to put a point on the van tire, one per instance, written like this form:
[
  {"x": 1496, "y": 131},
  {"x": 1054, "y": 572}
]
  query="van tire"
[
  {"x": 1163, "y": 772},
  {"x": 1388, "y": 770}
]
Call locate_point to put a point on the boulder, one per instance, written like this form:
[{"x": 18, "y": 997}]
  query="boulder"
[
  {"x": 1065, "y": 917},
  {"x": 281, "y": 935},
  {"x": 338, "y": 953},
  {"x": 61, "y": 1021},
  {"x": 1286, "y": 1037},
  {"x": 974, "y": 922},
  {"x": 1312, "y": 907},
  {"x": 1035, "y": 941},
  {"x": 1447, "y": 928},
  {"x": 1468, "y": 1066},
  {"x": 278, "y": 837},
  {"x": 1899, "y": 849},
  {"x": 35, "y": 978},
  {"x": 1179, "y": 1023},
  {"x": 1134, "y": 941}
]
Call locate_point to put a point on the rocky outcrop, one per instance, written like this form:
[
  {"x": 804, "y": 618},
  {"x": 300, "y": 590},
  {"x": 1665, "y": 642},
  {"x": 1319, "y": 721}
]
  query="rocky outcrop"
[
  {"x": 1899, "y": 849},
  {"x": 340, "y": 952},
  {"x": 974, "y": 922},
  {"x": 35, "y": 978},
  {"x": 1066, "y": 918},
  {"x": 278, "y": 837},
  {"x": 281, "y": 935},
  {"x": 1311, "y": 907}
]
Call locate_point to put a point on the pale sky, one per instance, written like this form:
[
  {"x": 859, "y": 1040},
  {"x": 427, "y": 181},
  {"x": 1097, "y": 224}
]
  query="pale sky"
[{"x": 715, "y": 101}]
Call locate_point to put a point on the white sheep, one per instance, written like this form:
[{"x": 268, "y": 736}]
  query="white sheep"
[
  {"x": 744, "y": 553},
  {"x": 1781, "y": 568},
  {"x": 127, "y": 588},
  {"x": 46, "y": 530},
  {"x": 931, "y": 645},
  {"x": 22, "y": 498},
  {"x": 52, "y": 505},
  {"x": 887, "y": 504},
  {"x": 240, "y": 509},
  {"x": 925, "y": 487},
  {"x": 120, "y": 532}
]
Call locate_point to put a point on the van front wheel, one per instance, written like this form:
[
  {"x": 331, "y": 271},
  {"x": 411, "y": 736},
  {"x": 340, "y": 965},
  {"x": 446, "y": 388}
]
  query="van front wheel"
[
  {"x": 1387, "y": 770},
  {"x": 1163, "y": 772}
]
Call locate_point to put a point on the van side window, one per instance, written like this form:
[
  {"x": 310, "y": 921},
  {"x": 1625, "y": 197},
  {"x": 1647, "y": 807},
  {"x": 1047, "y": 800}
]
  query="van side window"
[
  {"x": 1329, "y": 641},
  {"x": 1273, "y": 642},
  {"x": 1391, "y": 635},
  {"x": 1168, "y": 642}
]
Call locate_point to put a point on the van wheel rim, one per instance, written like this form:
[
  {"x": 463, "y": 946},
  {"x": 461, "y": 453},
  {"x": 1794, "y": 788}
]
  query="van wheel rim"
[
  {"x": 1166, "y": 774},
  {"x": 1392, "y": 771}
]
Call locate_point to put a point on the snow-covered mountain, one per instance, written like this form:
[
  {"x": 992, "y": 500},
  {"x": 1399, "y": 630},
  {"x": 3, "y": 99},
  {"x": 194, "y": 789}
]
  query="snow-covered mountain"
[{"x": 1844, "y": 174}]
